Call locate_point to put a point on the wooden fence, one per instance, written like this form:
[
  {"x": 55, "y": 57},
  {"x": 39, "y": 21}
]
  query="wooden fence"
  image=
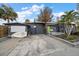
[{"x": 3, "y": 31}]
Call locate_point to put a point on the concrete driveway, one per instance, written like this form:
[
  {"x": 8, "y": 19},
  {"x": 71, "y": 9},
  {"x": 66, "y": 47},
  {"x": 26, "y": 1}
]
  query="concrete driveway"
[{"x": 38, "y": 45}]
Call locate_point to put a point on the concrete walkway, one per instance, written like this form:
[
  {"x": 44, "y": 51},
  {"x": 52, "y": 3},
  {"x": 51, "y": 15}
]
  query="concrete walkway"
[{"x": 38, "y": 45}]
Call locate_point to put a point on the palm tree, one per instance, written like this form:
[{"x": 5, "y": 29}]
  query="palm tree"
[
  {"x": 7, "y": 13},
  {"x": 68, "y": 18}
]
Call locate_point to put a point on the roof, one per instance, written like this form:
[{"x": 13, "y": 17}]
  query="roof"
[
  {"x": 48, "y": 23},
  {"x": 23, "y": 24},
  {"x": 19, "y": 24}
]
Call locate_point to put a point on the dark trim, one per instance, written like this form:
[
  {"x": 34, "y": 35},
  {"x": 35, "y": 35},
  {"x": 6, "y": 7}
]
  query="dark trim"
[{"x": 14, "y": 24}]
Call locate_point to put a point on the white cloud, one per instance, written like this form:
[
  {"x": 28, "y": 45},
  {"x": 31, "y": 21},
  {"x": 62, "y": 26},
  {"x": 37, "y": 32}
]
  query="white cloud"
[
  {"x": 36, "y": 7},
  {"x": 76, "y": 10},
  {"x": 24, "y": 8},
  {"x": 58, "y": 14},
  {"x": 28, "y": 11},
  {"x": 2, "y": 21},
  {"x": 31, "y": 20}
]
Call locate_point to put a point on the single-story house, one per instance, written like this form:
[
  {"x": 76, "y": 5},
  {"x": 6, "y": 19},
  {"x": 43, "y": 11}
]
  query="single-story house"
[{"x": 36, "y": 28}]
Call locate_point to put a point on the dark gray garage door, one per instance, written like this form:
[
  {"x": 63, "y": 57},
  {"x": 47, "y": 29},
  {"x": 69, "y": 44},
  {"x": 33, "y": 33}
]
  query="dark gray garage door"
[{"x": 37, "y": 28}]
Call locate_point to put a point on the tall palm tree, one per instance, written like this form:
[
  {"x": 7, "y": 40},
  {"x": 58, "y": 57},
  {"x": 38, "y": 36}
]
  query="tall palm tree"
[
  {"x": 7, "y": 13},
  {"x": 67, "y": 19}
]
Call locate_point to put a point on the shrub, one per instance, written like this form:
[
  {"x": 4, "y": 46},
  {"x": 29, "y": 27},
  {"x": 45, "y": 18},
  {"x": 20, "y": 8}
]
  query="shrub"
[{"x": 72, "y": 38}]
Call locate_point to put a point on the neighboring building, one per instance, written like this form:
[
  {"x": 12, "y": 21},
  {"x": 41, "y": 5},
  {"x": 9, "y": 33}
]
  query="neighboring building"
[{"x": 56, "y": 27}]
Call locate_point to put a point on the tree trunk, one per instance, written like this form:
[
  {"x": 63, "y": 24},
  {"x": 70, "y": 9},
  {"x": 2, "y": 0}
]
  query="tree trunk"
[
  {"x": 8, "y": 28},
  {"x": 45, "y": 28},
  {"x": 65, "y": 29},
  {"x": 70, "y": 30},
  {"x": 8, "y": 21}
]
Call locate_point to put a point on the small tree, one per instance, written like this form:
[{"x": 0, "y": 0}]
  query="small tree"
[
  {"x": 45, "y": 16},
  {"x": 27, "y": 21}
]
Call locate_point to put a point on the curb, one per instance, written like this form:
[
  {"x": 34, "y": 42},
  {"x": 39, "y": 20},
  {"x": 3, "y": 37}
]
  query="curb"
[{"x": 73, "y": 44}]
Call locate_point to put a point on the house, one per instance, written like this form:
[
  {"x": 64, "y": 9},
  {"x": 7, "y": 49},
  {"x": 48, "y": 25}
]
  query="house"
[{"x": 36, "y": 27}]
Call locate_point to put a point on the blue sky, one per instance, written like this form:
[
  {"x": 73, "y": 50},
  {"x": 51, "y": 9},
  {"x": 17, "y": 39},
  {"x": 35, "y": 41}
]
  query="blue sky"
[
  {"x": 57, "y": 7},
  {"x": 31, "y": 10}
]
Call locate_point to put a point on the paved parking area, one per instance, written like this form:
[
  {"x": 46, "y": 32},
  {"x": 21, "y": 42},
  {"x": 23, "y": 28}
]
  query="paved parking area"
[
  {"x": 7, "y": 45},
  {"x": 37, "y": 45}
]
